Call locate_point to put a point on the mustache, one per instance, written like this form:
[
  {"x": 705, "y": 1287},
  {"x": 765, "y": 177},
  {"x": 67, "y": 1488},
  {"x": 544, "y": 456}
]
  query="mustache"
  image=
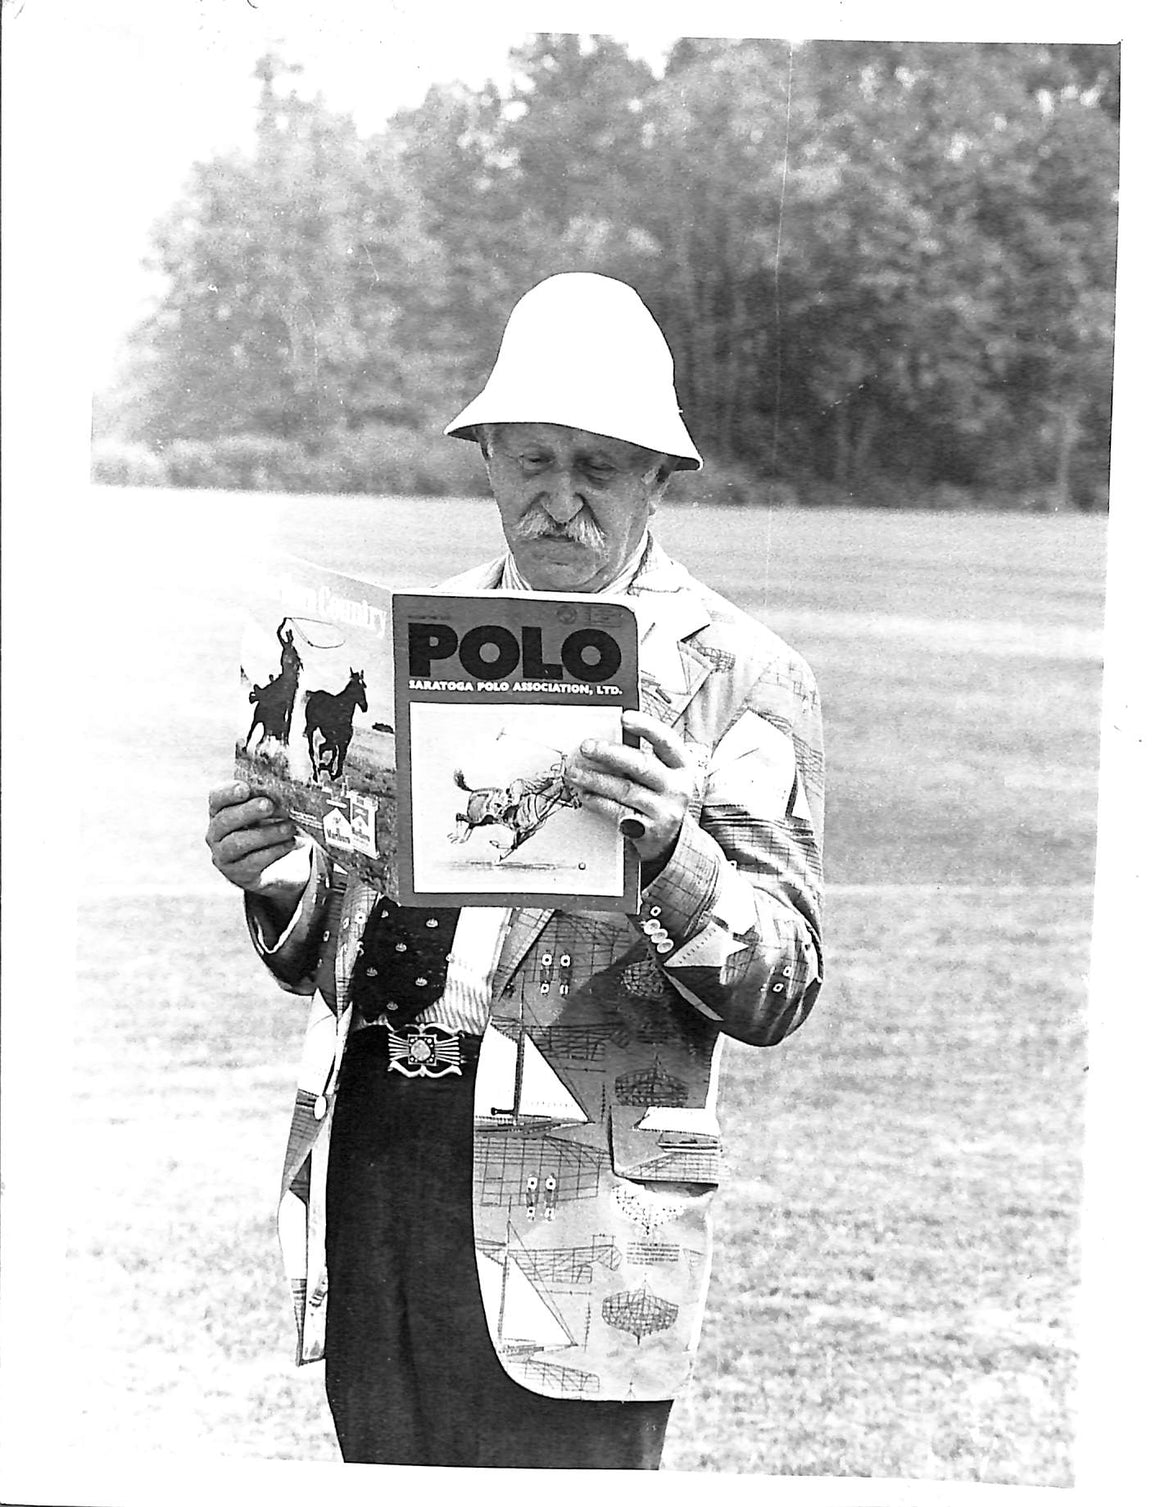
[{"x": 582, "y": 529}]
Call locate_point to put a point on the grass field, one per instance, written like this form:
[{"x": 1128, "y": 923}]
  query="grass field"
[{"x": 897, "y": 1246}]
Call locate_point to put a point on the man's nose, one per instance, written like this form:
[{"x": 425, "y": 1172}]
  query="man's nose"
[{"x": 562, "y": 498}]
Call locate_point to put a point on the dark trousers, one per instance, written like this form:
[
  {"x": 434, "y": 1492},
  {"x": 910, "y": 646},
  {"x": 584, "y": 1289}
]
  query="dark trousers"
[{"x": 411, "y": 1374}]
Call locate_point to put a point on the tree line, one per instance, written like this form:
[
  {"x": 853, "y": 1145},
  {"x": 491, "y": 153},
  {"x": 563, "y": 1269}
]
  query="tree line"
[{"x": 886, "y": 269}]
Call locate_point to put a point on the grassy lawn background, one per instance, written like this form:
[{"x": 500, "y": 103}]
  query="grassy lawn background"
[{"x": 897, "y": 1241}]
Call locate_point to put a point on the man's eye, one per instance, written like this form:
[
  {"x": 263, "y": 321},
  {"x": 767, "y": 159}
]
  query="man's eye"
[
  {"x": 600, "y": 468},
  {"x": 534, "y": 460}
]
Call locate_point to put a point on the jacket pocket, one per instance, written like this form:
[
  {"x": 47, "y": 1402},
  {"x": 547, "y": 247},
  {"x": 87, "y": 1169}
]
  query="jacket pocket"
[{"x": 653, "y": 1144}]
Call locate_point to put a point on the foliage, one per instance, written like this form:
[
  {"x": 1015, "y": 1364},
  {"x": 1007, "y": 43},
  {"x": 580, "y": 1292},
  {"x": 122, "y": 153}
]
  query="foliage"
[
  {"x": 879, "y": 265},
  {"x": 119, "y": 463},
  {"x": 380, "y": 458},
  {"x": 297, "y": 288}
]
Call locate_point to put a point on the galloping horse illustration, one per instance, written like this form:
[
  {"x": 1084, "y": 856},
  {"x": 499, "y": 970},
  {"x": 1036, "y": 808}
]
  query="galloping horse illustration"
[
  {"x": 523, "y": 806},
  {"x": 274, "y": 701},
  {"x": 332, "y": 718}
]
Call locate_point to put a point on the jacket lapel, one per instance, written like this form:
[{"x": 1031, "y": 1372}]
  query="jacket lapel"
[
  {"x": 672, "y": 670},
  {"x": 667, "y": 688},
  {"x": 525, "y": 927}
]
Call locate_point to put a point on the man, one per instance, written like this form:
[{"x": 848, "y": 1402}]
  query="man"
[{"x": 498, "y": 1183}]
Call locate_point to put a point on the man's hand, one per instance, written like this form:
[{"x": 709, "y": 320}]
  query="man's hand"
[
  {"x": 245, "y": 838},
  {"x": 645, "y": 790}
]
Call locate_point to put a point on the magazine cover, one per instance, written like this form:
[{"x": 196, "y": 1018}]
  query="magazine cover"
[
  {"x": 493, "y": 692},
  {"x": 314, "y": 728}
]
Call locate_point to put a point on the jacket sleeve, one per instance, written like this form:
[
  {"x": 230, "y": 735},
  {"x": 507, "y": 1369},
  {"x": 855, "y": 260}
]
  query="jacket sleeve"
[
  {"x": 294, "y": 957},
  {"x": 734, "y": 919}
]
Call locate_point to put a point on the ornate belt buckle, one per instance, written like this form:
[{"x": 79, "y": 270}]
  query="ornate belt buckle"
[{"x": 424, "y": 1052}]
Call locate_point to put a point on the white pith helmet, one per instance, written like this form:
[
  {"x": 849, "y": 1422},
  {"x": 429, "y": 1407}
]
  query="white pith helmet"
[{"x": 582, "y": 350}]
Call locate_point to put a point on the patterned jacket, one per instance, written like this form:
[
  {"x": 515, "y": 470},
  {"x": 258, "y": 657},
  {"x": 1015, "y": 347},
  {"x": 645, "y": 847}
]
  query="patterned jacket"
[{"x": 591, "y": 1196}]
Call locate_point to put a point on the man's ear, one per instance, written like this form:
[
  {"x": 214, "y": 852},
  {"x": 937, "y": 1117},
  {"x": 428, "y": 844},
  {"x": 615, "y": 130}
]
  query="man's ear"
[{"x": 658, "y": 491}]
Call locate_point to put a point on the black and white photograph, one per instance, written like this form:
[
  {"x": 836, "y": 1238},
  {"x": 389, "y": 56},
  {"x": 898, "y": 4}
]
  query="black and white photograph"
[{"x": 730, "y": 1062}]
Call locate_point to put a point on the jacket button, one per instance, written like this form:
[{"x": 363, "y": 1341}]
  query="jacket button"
[
  {"x": 320, "y": 1107},
  {"x": 665, "y": 946}
]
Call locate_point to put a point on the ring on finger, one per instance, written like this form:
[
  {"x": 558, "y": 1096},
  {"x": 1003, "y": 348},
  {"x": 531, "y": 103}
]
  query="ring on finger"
[{"x": 632, "y": 823}]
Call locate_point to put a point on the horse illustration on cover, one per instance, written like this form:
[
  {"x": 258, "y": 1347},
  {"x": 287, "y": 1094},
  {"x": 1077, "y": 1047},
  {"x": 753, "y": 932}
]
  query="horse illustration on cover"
[
  {"x": 523, "y": 806},
  {"x": 325, "y": 717},
  {"x": 330, "y": 724}
]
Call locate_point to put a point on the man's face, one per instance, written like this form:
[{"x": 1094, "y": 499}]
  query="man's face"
[{"x": 574, "y": 506}]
